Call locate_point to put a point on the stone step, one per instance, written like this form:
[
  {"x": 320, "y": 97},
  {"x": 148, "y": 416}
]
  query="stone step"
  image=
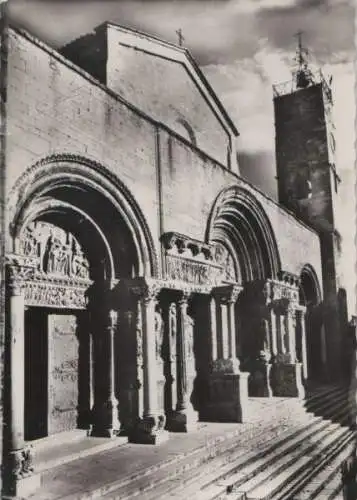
[
  {"x": 218, "y": 489},
  {"x": 247, "y": 477},
  {"x": 329, "y": 480},
  {"x": 213, "y": 478},
  {"x": 171, "y": 483},
  {"x": 336, "y": 410},
  {"x": 191, "y": 481},
  {"x": 191, "y": 456},
  {"x": 326, "y": 403},
  {"x": 279, "y": 474},
  {"x": 221, "y": 455},
  {"x": 303, "y": 476},
  {"x": 174, "y": 470}
]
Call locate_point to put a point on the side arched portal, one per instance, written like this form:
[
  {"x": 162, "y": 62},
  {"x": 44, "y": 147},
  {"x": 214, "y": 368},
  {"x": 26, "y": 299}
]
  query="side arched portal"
[
  {"x": 239, "y": 223},
  {"x": 311, "y": 299},
  {"x": 243, "y": 237}
]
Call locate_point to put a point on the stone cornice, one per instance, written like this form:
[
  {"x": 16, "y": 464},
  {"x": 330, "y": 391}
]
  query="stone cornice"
[{"x": 183, "y": 242}]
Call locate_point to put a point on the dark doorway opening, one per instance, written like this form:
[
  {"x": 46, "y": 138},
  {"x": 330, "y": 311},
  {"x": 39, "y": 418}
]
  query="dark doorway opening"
[{"x": 36, "y": 374}]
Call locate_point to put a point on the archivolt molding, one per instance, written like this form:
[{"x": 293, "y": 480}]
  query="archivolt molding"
[
  {"x": 72, "y": 170},
  {"x": 233, "y": 204},
  {"x": 310, "y": 273}
]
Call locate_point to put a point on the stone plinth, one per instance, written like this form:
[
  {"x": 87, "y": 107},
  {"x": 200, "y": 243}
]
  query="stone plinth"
[
  {"x": 149, "y": 431},
  {"x": 183, "y": 421},
  {"x": 260, "y": 380},
  {"x": 20, "y": 481},
  {"x": 288, "y": 380},
  {"x": 23, "y": 487},
  {"x": 228, "y": 398}
]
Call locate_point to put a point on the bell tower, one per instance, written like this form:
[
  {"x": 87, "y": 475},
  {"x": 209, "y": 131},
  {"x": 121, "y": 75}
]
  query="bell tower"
[
  {"x": 307, "y": 178},
  {"x": 305, "y": 145}
]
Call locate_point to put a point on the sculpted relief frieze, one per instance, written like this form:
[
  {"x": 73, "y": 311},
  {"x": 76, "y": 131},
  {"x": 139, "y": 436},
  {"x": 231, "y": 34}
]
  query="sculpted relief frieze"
[
  {"x": 197, "y": 263},
  {"x": 50, "y": 268}
]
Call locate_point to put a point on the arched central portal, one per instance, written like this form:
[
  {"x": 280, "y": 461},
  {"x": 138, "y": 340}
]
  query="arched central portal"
[{"x": 75, "y": 233}]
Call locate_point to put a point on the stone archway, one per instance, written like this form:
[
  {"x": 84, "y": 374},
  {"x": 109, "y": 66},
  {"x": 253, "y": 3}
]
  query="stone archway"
[
  {"x": 245, "y": 246},
  {"x": 244, "y": 237},
  {"x": 75, "y": 230},
  {"x": 314, "y": 367}
]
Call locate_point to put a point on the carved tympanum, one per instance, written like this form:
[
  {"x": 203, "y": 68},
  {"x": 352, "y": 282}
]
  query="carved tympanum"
[{"x": 56, "y": 251}]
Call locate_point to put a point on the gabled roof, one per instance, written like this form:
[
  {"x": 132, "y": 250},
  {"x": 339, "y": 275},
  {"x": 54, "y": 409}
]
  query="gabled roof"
[{"x": 156, "y": 46}]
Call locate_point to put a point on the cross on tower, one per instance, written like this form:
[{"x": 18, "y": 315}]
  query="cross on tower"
[
  {"x": 301, "y": 52},
  {"x": 180, "y": 36}
]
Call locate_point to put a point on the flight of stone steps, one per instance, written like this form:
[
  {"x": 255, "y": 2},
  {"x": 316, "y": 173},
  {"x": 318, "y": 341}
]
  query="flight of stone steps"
[{"x": 292, "y": 450}]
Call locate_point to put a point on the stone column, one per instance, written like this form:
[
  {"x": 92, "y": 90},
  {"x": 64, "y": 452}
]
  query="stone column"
[
  {"x": 185, "y": 417},
  {"x": 228, "y": 386},
  {"x": 226, "y": 358},
  {"x": 260, "y": 383},
  {"x": 106, "y": 420},
  {"x": 171, "y": 360},
  {"x": 19, "y": 477},
  {"x": 301, "y": 322},
  {"x": 288, "y": 376},
  {"x": 290, "y": 322},
  {"x": 281, "y": 332},
  {"x": 273, "y": 333},
  {"x": 213, "y": 325},
  {"x": 150, "y": 428}
]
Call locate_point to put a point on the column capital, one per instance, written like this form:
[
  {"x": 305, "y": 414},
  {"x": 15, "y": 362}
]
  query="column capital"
[
  {"x": 289, "y": 278},
  {"x": 184, "y": 296},
  {"x": 146, "y": 289},
  {"x": 227, "y": 293},
  {"x": 19, "y": 269},
  {"x": 281, "y": 306}
]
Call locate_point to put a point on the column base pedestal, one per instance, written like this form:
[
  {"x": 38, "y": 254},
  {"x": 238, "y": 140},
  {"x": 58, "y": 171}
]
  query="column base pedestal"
[
  {"x": 22, "y": 488},
  {"x": 19, "y": 479},
  {"x": 228, "y": 398},
  {"x": 288, "y": 380},
  {"x": 149, "y": 431},
  {"x": 105, "y": 421},
  {"x": 259, "y": 381},
  {"x": 230, "y": 365},
  {"x": 183, "y": 421}
]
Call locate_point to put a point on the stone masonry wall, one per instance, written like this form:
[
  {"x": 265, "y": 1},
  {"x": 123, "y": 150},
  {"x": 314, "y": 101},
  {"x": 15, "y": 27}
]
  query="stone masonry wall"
[
  {"x": 191, "y": 184},
  {"x": 165, "y": 90},
  {"x": 54, "y": 109}
]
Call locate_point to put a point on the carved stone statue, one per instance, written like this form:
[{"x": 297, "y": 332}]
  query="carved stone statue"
[
  {"x": 189, "y": 323},
  {"x": 159, "y": 333},
  {"x": 173, "y": 329},
  {"x": 80, "y": 266}
]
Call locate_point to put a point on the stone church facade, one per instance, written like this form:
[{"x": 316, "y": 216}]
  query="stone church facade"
[{"x": 147, "y": 285}]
